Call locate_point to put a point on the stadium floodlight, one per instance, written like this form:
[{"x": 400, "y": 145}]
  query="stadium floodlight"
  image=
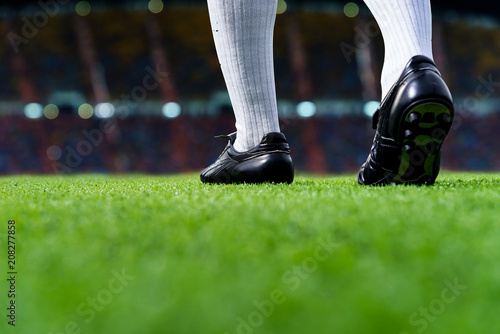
[
  {"x": 370, "y": 108},
  {"x": 306, "y": 109},
  {"x": 83, "y": 8},
  {"x": 351, "y": 9},
  {"x": 155, "y": 6},
  {"x": 33, "y": 110},
  {"x": 282, "y": 6},
  {"x": 104, "y": 110},
  {"x": 51, "y": 111},
  {"x": 171, "y": 109},
  {"x": 85, "y": 111}
]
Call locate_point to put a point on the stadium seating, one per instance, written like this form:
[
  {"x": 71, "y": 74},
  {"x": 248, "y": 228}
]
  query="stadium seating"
[{"x": 122, "y": 46}]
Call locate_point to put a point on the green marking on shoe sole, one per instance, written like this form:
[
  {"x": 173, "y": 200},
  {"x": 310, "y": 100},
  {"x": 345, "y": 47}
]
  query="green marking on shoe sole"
[
  {"x": 427, "y": 110},
  {"x": 418, "y": 165},
  {"x": 421, "y": 140}
]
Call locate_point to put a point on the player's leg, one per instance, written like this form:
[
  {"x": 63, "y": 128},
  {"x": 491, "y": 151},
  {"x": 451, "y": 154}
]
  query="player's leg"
[
  {"x": 406, "y": 27},
  {"x": 243, "y": 35},
  {"x": 417, "y": 109}
]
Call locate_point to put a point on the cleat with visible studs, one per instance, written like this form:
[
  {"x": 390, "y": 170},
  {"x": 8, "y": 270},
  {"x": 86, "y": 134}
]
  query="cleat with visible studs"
[{"x": 412, "y": 123}]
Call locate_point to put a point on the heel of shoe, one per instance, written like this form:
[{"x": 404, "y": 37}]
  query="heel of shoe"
[
  {"x": 275, "y": 167},
  {"x": 422, "y": 133}
]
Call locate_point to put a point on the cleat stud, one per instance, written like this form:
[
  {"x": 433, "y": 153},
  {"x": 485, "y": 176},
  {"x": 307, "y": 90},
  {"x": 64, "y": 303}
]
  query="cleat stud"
[
  {"x": 414, "y": 117},
  {"x": 409, "y": 134}
]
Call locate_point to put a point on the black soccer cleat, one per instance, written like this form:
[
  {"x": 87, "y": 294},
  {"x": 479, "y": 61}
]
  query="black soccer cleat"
[
  {"x": 270, "y": 161},
  {"x": 412, "y": 122}
]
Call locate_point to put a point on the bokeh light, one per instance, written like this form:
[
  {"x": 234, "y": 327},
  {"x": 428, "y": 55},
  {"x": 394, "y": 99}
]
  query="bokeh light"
[
  {"x": 33, "y": 110},
  {"x": 155, "y": 6},
  {"x": 104, "y": 110},
  {"x": 85, "y": 111},
  {"x": 281, "y": 6},
  {"x": 83, "y": 8},
  {"x": 351, "y": 9},
  {"x": 51, "y": 111},
  {"x": 306, "y": 109},
  {"x": 370, "y": 108},
  {"x": 171, "y": 110}
]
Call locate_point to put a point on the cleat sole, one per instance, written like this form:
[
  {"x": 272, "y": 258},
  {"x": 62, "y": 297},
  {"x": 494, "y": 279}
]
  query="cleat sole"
[{"x": 428, "y": 125}]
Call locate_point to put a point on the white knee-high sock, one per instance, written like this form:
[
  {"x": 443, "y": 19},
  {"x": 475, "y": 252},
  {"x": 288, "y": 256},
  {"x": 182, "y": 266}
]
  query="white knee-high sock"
[
  {"x": 406, "y": 27},
  {"x": 243, "y": 35}
]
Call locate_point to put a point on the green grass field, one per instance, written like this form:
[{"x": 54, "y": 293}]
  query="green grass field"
[{"x": 151, "y": 254}]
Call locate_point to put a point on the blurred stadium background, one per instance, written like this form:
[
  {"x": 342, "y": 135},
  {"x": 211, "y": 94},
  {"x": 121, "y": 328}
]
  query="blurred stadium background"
[{"x": 135, "y": 86}]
